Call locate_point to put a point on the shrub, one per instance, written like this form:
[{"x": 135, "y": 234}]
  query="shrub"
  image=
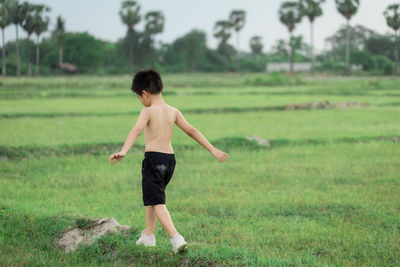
[
  {"x": 331, "y": 65},
  {"x": 383, "y": 65},
  {"x": 274, "y": 79}
]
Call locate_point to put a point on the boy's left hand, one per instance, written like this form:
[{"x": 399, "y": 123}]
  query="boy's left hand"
[
  {"x": 116, "y": 157},
  {"x": 220, "y": 155}
]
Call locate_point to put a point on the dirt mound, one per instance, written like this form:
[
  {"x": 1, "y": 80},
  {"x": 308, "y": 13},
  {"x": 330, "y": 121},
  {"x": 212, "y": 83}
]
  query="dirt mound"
[
  {"x": 260, "y": 141},
  {"x": 325, "y": 105},
  {"x": 86, "y": 231},
  {"x": 394, "y": 139}
]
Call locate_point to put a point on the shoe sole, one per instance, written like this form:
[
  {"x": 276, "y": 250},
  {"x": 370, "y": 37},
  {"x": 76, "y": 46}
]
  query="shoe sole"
[
  {"x": 181, "y": 249},
  {"x": 146, "y": 245}
]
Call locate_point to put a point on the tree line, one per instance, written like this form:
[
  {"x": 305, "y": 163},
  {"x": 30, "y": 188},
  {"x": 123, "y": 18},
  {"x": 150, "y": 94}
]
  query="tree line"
[
  {"x": 190, "y": 52},
  {"x": 292, "y": 12},
  {"x": 33, "y": 19}
]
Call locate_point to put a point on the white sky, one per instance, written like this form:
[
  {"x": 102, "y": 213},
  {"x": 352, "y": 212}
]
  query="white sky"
[{"x": 100, "y": 18}]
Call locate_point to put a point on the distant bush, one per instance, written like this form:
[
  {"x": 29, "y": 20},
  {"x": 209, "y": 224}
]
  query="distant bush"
[
  {"x": 331, "y": 65},
  {"x": 274, "y": 79},
  {"x": 371, "y": 64},
  {"x": 374, "y": 64},
  {"x": 253, "y": 63},
  {"x": 383, "y": 65}
]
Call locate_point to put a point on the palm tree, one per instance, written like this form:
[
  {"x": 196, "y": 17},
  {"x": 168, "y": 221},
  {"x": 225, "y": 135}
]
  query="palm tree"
[
  {"x": 41, "y": 25},
  {"x": 29, "y": 26},
  {"x": 392, "y": 15},
  {"x": 222, "y": 31},
  {"x": 290, "y": 14},
  {"x": 256, "y": 45},
  {"x": 311, "y": 9},
  {"x": 237, "y": 19},
  {"x": 17, "y": 12},
  {"x": 5, "y": 20},
  {"x": 59, "y": 33},
  {"x": 130, "y": 16},
  {"x": 295, "y": 43},
  {"x": 348, "y": 8},
  {"x": 154, "y": 25}
]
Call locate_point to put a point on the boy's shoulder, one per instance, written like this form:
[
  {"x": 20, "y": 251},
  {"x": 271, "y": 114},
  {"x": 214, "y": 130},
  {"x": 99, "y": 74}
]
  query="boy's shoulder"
[
  {"x": 155, "y": 109},
  {"x": 172, "y": 108}
]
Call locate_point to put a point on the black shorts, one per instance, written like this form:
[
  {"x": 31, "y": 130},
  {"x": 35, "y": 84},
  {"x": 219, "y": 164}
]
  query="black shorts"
[{"x": 157, "y": 170}]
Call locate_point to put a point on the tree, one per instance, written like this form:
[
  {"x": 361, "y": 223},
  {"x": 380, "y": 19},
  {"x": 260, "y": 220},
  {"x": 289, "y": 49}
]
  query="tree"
[
  {"x": 5, "y": 20},
  {"x": 392, "y": 15},
  {"x": 311, "y": 9},
  {"x": 154, "y": 25},
  {"x": 18, "y": 13},
  {"x": 84, "y": 51},
  {"x": 359, "y": 35},
  {"x": 295, "y": 43},
  {"x": 290, "y": 14},
  {"x": 193, "y": 48},
  {"x": 186, "y": 53},
  {"x": 348, "y": 8},
  {"x": 29, "y": 26},
  {"x": 130, "y": 16},
  {"x": 59, "y": 32},
  {"x": 237, "y": 19},
  {"x": 256, "y": 45},
  {"x": 222, "y": 31},
  {"x": 381, "y": 45},
  {"x": 41, "y": 26},
  {"x": 295, "y": 47},
  {"x": 281, "y": 48}
]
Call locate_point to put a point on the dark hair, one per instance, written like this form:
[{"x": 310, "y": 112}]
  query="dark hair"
[{"x": 149, "y": 80}]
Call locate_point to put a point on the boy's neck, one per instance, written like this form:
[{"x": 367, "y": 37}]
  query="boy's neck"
[{"x": 156, "y": 99}]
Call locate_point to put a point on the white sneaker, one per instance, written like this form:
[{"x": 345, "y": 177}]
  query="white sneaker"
[
  {"x": 178, "y": 243},
  {"x": 147, "y": 240}
]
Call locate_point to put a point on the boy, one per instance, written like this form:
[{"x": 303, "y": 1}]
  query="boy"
[{"x": 157, "y": 120}]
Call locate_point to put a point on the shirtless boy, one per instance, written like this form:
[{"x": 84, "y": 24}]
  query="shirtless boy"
[{"x": 157, "y": 120}]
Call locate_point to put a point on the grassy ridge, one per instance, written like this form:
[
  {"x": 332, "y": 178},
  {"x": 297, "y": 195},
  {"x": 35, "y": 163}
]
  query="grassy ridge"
[
  {"x": 192, "y": 84},
  {"x": 226, "y": 144},
  {"x": 297, "y": 124}
]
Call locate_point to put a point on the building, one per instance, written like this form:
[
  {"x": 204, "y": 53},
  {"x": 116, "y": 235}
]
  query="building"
[{"x": 298, "y": 66}]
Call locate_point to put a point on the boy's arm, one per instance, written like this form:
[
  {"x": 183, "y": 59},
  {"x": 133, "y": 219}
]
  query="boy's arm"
[
  {"x": 196, "y": 135},
  {"x": 133, "y": 135}
]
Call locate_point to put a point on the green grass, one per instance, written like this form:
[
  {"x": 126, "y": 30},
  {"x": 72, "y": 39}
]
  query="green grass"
[
  {"x": 344, "y": 212},
  {"x": 326, "y": 193}
]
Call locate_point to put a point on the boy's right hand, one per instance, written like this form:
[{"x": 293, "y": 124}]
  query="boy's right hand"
[
  {"x": 116, "y": 157},
  {"x": 220, "y": 155}
]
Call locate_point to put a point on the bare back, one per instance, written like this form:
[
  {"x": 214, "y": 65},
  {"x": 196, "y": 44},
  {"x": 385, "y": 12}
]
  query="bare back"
[{"x": 159, "y": 129}]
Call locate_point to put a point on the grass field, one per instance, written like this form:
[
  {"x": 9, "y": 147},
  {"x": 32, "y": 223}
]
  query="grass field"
[{"x": 324, "y": 192}]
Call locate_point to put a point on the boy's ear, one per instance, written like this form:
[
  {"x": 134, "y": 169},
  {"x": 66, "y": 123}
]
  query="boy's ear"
[{"x": 145, "y": 93}]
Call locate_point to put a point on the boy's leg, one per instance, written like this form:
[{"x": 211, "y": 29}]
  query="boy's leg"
[
  {"x": 151, "y": 218},
  {"x": 165, "y": 219}
]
